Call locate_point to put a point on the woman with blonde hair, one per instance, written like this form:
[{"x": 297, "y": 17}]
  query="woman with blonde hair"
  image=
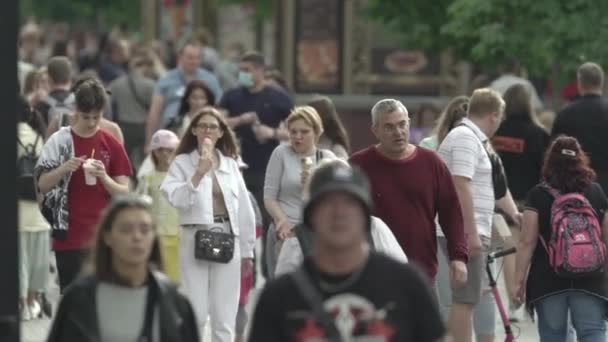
[
  {"x": 217, "y": 220},
  {"x": 287, "y": 172}
]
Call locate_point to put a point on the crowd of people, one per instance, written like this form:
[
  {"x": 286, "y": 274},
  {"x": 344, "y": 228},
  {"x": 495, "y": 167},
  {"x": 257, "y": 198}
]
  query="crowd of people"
[{"x": 151, "y": 188}]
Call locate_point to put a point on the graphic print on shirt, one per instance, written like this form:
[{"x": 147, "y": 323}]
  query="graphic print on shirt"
[
  {"x": 508, "y": 144},
  {"x": 355, "y": 317},
  {"x": 104, "y": 156}
]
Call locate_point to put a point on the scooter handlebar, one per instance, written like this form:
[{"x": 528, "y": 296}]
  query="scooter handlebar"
[{"x": 502, "y": 253}]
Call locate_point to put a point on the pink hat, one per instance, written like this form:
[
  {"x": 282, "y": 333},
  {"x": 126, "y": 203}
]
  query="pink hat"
[{"x": 164, "y": 139}]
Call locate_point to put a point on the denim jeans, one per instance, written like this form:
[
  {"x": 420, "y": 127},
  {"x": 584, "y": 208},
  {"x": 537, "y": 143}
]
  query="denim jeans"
[{"x": 587, "y": 313}]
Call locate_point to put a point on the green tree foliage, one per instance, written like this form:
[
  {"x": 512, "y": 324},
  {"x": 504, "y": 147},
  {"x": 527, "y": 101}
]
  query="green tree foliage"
[
  {"x": 420, "y": 21},
  {"x": 263, "y": 8},
  {"x": 110, "y": 12},
  {"x": 543, "y": 34}
]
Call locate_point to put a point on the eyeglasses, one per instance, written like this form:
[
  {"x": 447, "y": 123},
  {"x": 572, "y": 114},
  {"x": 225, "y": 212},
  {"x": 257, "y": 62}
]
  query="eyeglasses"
[{"x": 209, "y": 128}]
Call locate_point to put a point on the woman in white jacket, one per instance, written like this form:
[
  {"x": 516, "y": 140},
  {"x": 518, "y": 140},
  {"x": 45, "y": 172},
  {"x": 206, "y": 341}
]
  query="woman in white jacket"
[
  {"x": 382, "y": 238},
  {"x": 205, "y": 185}
]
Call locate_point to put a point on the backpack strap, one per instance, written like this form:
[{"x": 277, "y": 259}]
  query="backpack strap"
[
  {"x": 304, "y": 236},
  {"x": 315, "y": 300},
  {"x": 64, "y": 120},
  {"x": 551, "y": 190},
  {"x": 31, "y": 148},
  {"x": 555, "y": 194}
]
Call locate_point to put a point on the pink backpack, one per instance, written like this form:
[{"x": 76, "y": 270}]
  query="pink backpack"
[{"x": 576, "y": 248}]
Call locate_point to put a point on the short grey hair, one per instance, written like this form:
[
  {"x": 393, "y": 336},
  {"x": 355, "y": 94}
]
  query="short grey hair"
[
  {"x": 591, "y": 75},
  {"x": 386, "y": 106}
]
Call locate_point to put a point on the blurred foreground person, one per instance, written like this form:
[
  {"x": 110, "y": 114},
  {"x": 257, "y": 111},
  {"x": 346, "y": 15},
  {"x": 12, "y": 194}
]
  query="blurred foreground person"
[
  {"x": 125, "y": 299},
  {"x": 345, "y": 292}
]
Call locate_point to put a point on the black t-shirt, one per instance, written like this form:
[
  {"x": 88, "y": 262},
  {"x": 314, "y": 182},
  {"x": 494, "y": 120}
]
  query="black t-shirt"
[
  {"x": 389, "y": 301},
  {"x": 586, "y": 119},
  {"x": 521, "y": 145},
  {"x": 272, "y": 106},
  {"x": 542, "y": 281}
]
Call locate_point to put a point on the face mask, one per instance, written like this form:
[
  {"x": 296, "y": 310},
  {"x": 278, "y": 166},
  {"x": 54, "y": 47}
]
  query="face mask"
[{"x": 246, "y": 79}]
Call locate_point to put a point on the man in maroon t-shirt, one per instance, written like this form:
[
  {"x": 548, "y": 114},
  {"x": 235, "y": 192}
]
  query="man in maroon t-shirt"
[
  {"x": 109, "y": 167},
  {"x": 410, "y": 187}
]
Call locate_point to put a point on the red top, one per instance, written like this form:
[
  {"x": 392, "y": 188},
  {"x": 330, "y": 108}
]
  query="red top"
[
  {"x": 408, "y": 194},
  {"x": 86, "y": 202}
]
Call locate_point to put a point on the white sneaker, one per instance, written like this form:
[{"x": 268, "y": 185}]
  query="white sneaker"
[
  {"x": 516, "y": 315},
  {"x": 35, "y": 310}
]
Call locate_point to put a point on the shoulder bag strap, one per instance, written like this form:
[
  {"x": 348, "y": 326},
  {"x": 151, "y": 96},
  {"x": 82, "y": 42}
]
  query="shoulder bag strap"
[
  {"x": 64, "y": 119},
  {"x": 21, "y": 144},
  {"x": 35, "y": 145},
  {"x": 29, "y": 148},
  {"x": 143, "y": 104},
  {"x": 482, "y": 144},
  {"x": 314, "y": 299},
  {"x": 151, "y": 301}
]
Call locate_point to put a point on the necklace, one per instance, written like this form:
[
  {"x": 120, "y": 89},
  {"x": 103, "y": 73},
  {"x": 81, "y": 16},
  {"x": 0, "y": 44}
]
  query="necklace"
[{"x": 344, "y": 284}]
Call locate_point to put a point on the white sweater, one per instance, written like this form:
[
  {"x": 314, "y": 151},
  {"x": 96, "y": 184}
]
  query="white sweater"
[{"x": 385, "y": 242}]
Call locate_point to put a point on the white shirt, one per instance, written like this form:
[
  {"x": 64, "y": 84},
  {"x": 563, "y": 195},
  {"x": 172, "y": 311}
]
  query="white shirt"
[
  {"x": 131, "y": 304},
  {"x": 385, "y": 242},
  {"x": 195, "y": 204},
  {"x": 463, "y": 152}
]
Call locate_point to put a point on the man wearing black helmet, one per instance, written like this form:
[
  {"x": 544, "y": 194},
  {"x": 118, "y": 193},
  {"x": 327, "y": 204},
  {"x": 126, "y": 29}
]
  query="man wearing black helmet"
[{"x": 345, "y": 292}]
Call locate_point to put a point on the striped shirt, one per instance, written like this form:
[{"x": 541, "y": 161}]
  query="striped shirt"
[{"x": 463, "y": 152}]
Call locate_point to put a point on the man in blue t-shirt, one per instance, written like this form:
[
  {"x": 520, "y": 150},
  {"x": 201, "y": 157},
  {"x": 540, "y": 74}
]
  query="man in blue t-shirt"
[
  {"x": 255, "y": 112},
  {"x": 170, "y": 88}
]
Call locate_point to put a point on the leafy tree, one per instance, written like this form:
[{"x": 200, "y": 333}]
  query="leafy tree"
[
  {"x": 542, "y": 34},
  {"x": 546, "y": 35},
  {"x": 420, "y": 21},
  {"x": 263, "y": 8},
  {"x": 111, "y": 12}
]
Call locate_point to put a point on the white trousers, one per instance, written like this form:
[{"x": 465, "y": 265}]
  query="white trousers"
[{"x": 213, "y": 288}]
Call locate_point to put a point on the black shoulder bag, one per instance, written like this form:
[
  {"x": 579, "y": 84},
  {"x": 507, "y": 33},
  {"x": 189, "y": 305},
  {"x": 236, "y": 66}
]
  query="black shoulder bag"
[
  {"x": 151, "y": 301},
  {"x": 315, "y": 300},
  {"x": 213, "y": 244},
  {"x": 499, "y": 178}
]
